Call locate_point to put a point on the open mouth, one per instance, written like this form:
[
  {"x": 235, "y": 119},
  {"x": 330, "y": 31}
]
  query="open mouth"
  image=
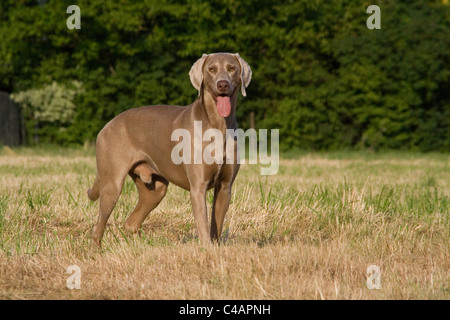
[
  {"x": 223, "y": 105},
  {"x": 219, "y": 95}
]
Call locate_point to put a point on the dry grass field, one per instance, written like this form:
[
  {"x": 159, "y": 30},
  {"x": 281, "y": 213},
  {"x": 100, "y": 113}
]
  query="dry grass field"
[{"x": 309, "y": 232}]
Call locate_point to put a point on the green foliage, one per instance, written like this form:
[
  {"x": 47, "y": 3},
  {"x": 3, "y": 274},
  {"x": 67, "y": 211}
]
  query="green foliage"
[
  {"x": 53, "y": 103},
  {"x": 319, "y": 75}
]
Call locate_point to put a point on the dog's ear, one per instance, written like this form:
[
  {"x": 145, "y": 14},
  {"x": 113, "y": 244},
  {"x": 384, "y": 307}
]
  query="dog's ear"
[
  {"x": 196, "y": 73},
  {"x": 246, "y": 73}
]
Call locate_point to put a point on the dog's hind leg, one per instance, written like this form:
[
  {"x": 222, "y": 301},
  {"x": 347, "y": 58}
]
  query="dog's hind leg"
[
  {"x": 93, "y": 193},
  {"x": 150, "y": 195},
  {"x": 110, "y": 186}
]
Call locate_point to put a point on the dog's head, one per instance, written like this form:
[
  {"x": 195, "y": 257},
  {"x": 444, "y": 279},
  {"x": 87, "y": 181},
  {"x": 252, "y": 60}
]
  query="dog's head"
[{"x": 222, "y": 73}]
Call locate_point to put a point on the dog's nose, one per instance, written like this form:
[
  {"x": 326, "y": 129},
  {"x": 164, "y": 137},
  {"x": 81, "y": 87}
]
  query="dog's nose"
[{"x": 223, "y": 85}]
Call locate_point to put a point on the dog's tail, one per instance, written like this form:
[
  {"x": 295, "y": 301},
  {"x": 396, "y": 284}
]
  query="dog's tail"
[{"x": 93, "y": 192}]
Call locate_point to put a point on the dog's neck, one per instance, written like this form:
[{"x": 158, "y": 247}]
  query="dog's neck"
[{"x": 208, "y": 106}]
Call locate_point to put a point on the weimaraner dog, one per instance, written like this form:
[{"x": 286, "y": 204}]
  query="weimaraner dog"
[{"x": 138, "y": 142}]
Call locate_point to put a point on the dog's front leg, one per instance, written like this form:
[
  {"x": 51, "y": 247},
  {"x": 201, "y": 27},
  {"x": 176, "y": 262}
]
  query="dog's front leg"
[
  {"x": 222, "y": 195},
  {"x": 198, "y": 199}
]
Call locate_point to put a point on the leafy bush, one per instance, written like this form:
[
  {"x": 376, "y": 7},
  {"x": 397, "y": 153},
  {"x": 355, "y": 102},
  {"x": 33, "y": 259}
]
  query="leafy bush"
[{"x": 52, "y": 105}]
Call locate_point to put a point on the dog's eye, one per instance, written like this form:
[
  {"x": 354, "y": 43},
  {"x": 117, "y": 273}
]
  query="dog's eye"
[
  {"x": 231, "y": 69},
  {"x": 212, "y": 69}
]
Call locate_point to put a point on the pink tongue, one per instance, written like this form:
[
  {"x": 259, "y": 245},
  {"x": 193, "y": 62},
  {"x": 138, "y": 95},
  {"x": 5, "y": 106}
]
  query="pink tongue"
[{"x": 223, "y": 106}]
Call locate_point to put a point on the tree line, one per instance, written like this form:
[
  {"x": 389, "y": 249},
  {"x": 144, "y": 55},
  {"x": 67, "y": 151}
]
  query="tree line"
[{"x": 320, "y": 75}]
